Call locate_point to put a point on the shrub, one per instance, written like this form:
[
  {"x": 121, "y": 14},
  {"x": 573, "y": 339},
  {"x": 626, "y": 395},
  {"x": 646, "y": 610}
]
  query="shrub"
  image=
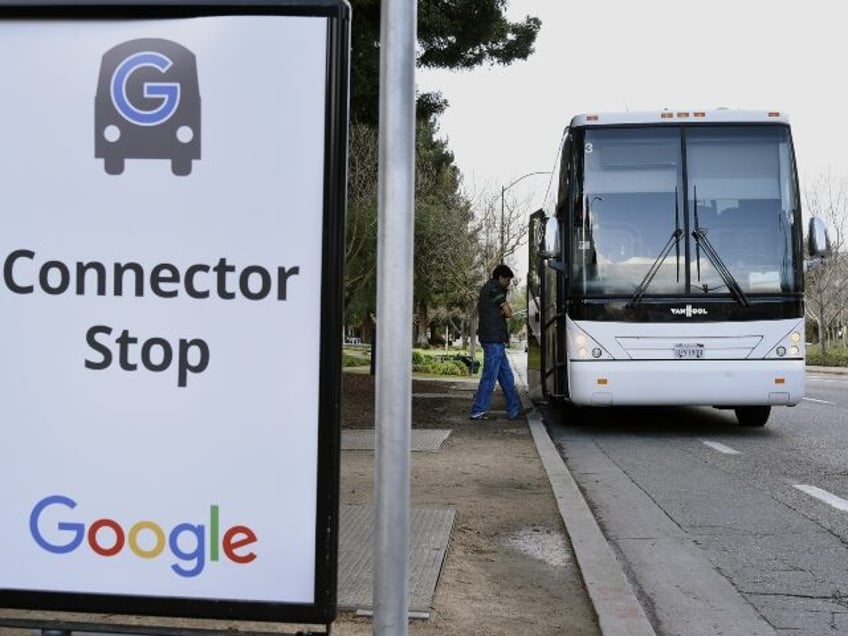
[
  {"x": 448, "y": 367},
  {"x": 419, "y": 358},
  {"x": 437, "y": 362},
  {"x": 835, "y": 356},
  {"x": 353, "y": 361}
]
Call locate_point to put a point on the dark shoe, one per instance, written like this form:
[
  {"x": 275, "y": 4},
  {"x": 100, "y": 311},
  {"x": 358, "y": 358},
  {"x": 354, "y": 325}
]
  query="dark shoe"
[
  {"x": 479, "y": 416},
  {"x": 515, "y": 416}
]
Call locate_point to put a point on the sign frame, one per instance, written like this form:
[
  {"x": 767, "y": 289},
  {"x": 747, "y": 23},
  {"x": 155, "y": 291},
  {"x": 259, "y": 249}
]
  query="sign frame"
[{"x": 323, "y": 610}]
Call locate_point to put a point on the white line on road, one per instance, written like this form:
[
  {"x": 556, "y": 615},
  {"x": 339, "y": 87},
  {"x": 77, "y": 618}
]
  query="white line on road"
[
  {"x": 823, "y": 495},
  {"x": 721, "y": 448},
  {"x": 818, "y": 401}
]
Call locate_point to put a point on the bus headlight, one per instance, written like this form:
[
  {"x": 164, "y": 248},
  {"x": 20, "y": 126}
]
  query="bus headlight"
[
  {"x": 790, "y": 346},
  {"x": 581, "y": 346}
]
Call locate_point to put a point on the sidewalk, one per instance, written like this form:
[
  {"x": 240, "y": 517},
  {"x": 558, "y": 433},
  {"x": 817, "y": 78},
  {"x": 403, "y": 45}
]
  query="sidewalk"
[
  {"x": 525, "y": 554},
  {"x": 508, "y": 566},
  {"x": 502, "y": 540}
]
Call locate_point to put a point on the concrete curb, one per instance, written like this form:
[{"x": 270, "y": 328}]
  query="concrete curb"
[
  {"x": 615, "y": 603},
  {"x": 618, "y": 610}
]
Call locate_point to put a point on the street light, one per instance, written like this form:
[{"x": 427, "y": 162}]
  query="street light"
[{"x": 503, "y": 192}]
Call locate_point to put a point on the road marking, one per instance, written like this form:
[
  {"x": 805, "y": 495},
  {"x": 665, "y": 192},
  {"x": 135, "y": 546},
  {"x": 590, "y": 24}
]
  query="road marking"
[
  {"x": 818, "y": 401},
  {"x": 823, "y": 495},
  {"x": 721, "y": 448}
]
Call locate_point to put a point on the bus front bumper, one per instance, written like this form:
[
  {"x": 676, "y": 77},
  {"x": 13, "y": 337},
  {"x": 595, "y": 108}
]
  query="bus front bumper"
[{"x": 686, "y": 382}]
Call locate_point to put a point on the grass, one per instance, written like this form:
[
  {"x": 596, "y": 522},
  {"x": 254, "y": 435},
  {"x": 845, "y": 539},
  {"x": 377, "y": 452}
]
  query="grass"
[{"x": 436, "y": 362}]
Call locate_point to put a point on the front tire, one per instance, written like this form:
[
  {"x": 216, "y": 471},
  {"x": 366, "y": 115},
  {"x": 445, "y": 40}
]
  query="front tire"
[{"x": 752, "y": 415}]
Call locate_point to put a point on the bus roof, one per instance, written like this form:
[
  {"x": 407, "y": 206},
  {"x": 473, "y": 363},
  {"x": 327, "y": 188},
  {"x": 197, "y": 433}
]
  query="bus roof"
[{"x": 667, "y": 116}]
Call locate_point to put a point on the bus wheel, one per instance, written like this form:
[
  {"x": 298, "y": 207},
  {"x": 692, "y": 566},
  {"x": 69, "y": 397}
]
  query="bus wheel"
[{"x": 752, "y": 415}]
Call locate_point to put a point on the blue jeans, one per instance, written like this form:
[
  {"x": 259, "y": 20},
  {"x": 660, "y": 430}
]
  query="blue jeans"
[{"x": 496, "y": 369}]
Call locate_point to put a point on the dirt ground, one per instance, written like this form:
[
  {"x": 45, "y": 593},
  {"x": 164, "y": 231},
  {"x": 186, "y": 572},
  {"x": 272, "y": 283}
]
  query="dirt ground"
[{"x": 509, "y": 567}]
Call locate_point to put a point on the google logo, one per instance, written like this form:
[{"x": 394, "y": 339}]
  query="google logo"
[
  {"x": 167, "y": 92},
  {"x": 147, "y": 539}
]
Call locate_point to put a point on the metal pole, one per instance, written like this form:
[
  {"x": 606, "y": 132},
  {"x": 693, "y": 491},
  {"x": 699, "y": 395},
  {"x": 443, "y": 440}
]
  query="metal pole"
[{"x": 394, "y": 311}]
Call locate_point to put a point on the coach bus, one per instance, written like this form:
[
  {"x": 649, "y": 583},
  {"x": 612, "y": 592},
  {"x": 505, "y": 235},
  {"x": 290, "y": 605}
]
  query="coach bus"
[{"x": 668, "y": 268}]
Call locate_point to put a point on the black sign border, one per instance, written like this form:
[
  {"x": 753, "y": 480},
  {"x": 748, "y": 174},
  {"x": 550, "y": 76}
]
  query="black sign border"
[{"x": 324, "y": 609}]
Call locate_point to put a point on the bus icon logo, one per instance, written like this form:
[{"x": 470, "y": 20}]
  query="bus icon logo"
[{"x": 147, "y": 105}]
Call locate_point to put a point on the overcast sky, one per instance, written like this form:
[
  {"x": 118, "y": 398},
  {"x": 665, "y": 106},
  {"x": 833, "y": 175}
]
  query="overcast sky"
[{"x": 613, "y": 55}]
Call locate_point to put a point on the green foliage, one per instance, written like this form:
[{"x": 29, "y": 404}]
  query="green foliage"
[
  {"x": 446, "y": 251},
  {"x": 447, "y": 367},
  {"x": 430, "y": 362},
  {"x": 439, "y": 362},
  {"x": 516, "y": 323},
  {"x": 445, "y": 248},
  {"x": 834, "y": 357},
  {"x": 361, "y": 226},
  {"x": 466, "y": 33},
  {"x": 355, "y": 359},
  {"x": 453, "y": 34}
]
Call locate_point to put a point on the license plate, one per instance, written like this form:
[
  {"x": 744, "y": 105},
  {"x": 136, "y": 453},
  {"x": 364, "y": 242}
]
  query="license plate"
[{"x": 689, "y": 351}]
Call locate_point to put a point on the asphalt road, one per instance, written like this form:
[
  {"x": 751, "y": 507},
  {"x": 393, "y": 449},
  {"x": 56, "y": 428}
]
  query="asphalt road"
[{"x": 724, "y": 529}]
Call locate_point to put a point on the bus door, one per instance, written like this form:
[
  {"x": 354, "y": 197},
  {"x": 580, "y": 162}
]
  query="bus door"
[{"x": 545, "y": 316}]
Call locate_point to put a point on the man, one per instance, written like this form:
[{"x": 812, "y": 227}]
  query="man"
[{"x": 493, "y": 311}]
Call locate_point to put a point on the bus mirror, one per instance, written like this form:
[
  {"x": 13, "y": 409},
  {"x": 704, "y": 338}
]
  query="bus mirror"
[
  {"x": 818, "y": 240},
  {"x": 551, "y": 239}
]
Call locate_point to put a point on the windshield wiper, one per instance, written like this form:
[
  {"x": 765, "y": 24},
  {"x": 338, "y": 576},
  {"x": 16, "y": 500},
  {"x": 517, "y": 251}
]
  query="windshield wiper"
[
  {"x": 673, "y": 240},
  {"x": 733, "y": 287}
]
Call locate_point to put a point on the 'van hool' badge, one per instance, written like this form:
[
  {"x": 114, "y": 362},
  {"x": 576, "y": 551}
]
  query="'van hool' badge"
[
  {"x": 689, "y": 311},
  {"x": 147, "y": 105}
]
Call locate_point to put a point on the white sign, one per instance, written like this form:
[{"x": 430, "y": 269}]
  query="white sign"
[{"x": 161, "y": 243}]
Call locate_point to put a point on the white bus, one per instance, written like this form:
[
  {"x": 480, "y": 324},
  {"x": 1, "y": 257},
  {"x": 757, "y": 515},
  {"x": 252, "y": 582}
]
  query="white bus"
[{"x": 669, "y": 267}]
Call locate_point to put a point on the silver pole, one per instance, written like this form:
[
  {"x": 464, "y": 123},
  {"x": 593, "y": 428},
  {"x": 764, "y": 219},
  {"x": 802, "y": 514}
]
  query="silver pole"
[{"x": 394, "y": 314}]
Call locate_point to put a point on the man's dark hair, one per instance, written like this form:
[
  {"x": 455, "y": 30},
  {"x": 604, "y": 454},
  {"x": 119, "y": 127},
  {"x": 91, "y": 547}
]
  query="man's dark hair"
[{"x": 502, "y": 270}]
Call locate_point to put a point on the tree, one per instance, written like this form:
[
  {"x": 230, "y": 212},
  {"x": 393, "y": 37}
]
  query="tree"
[
  {"x": 825, "y": 284},
  {"x": 445, "y": 237},
  {"x": 452, "y": 34},
  {"x": 361, "y": 225},
  {"x": 442, "y": 228}
]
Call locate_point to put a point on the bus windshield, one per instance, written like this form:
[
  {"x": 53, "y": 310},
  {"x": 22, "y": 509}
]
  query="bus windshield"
[{"x": 719, "y": 223}]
